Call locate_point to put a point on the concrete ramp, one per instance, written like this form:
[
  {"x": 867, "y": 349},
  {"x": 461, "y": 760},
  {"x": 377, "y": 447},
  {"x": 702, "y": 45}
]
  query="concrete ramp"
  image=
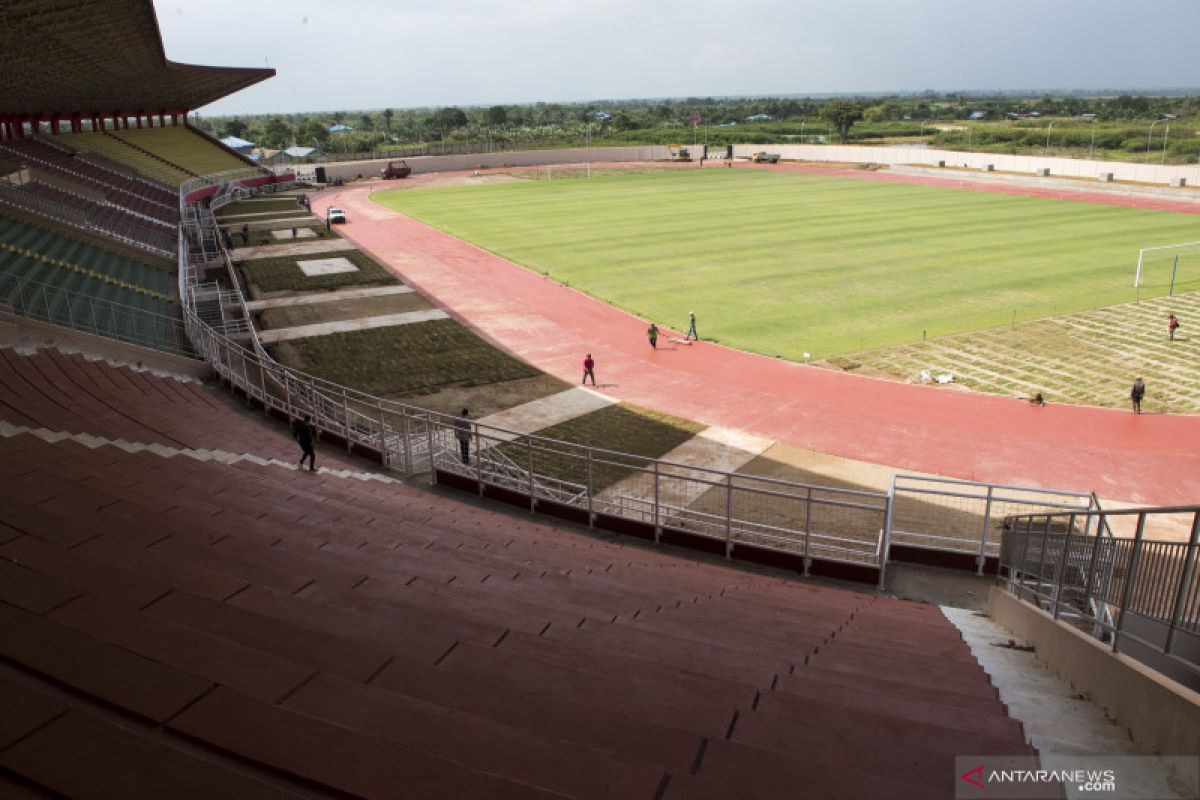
[{"x": 544, "y": 412}]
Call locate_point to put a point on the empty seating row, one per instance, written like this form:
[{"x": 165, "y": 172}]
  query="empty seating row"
[
  {"x": 119, "y": 189},
  {"x": 325, "y": 634},
  {"x": 184, "y": 147},
  {"x": 107, "y": 218},
  {"x": 122, "y": 152}
]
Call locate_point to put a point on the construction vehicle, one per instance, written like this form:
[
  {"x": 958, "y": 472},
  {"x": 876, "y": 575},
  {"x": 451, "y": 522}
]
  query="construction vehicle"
[
  {"x": 679, "y": 152},
  {"x": 395, "y": 169},
  {"x": 765, "y": 158}
]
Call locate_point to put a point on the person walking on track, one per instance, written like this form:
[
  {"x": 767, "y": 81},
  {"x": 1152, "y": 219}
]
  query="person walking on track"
[
  {"x": 691, "y": 331},
  {"x": 302, "y": 432},
  {"x": 652, "y": 335},
  {"x": 1136, "y": 394},
  {"x": 589, "y": 367}
]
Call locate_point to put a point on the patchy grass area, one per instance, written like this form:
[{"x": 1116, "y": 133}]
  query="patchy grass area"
[
  {"x": 1089, "y": 358},
  {"x": 260, "y": 207},
  {"x": 621, "y": 428},
  {"x": 281, "y": 273},
  {"x": 788, "y": 263},
  {"x": 259, "y": 238},
  {"x": 408, "y": 360}
]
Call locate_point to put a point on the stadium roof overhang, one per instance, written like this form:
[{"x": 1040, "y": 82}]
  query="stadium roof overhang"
[{"x": 64, "y": 57}]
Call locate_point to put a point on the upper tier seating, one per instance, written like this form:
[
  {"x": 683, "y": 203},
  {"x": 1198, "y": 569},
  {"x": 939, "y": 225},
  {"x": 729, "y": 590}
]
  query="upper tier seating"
[
  {"x": 44, "y": 199},
  {"x": 108, "y": 146},
  {"x": 39, "y": 256},
  {"x": 321, "y": 633},
  {"x": 184, "y": 147},
  {"x": 121, "y": 189}
]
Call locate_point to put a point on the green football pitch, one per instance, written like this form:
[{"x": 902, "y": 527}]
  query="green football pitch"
[{"x": 789, "y": 263}]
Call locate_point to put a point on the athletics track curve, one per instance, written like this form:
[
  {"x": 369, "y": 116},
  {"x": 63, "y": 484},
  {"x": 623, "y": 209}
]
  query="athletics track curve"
[{"x": 1148, "y": 459}]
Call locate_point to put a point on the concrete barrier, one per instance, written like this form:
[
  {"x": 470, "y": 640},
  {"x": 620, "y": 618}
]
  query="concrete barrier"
[{"x": 1159, "y": 712}]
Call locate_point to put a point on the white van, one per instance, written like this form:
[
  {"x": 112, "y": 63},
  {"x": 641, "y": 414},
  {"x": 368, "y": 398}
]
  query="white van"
[{"x": 335, "y": 216}]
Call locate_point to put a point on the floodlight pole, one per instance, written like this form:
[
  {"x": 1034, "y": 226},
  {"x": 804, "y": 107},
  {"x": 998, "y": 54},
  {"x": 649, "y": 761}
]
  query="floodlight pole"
[
  {"x": 1092, "y": 148},
  {"x": 1049, "y": 128},
  {"x": 1166, "y": 135},
  {"x": 1150, "y": 136}
]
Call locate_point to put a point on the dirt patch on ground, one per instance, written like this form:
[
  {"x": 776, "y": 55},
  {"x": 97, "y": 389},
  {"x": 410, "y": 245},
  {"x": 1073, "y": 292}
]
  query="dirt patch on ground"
[
  {"x": 489, "y": 399},
  {"x": 292, "y": 316}
]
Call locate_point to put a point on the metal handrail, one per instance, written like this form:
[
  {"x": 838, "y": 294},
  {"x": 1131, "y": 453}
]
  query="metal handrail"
[{"x": 1084, "y": 576}]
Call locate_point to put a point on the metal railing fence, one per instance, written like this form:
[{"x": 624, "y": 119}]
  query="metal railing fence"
[
  {"x": 1069, "y": 564},
  {"x": 88, "y": 314},
  {"x": 810, "y": 522},
  {"x": 968, "y": 517}
]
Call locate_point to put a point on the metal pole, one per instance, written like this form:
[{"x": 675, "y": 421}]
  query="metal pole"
[
  {"x": 529, "y": 449},
  {"x": 1135, "y": 556},
  {"x": 657, "y": 529},
  {"x": 1042, "y": 560},
  {"x": 478, "y": 456},
  {"x": 383, "y": 443},
  {"x": 1062, "y": 568},
  {"x": 807, "y": 529},
  {"x": 407, "y": 443},
  {"x": 983, "y": 537},
  {"x": 262, "y": 378},
  {"x": 346, "y": 421},
  {"x": 886, "y": 544},
  {"x": 1090, "y": 586},
  {"x": 728, "y": 515},
  {"x": 1174, "y": 269},
  {"x": 432, "y": 465},
  {"x": 1166, "y": 135},
  {"x": 591, "y": 513},
  {"x": 1185, "y": 578}
]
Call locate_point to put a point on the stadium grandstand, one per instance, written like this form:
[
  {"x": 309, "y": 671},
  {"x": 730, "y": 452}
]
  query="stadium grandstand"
[{"x": 184, "y": 613}]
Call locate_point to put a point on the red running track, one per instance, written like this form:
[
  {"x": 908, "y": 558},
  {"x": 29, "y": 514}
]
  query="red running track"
[{"x": 1151, "y": 458}]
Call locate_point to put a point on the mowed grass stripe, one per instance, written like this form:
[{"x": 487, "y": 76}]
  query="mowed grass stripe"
[{"x": 787, "y": 263}]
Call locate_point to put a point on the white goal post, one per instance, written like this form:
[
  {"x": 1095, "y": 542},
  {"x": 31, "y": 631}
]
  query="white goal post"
[{"x": 1137, "y": 278}]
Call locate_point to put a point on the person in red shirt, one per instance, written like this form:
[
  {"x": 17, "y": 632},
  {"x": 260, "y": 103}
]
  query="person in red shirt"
[
  {"x": 588, "y": 366},
  {"x": 1172, "y": 325}
]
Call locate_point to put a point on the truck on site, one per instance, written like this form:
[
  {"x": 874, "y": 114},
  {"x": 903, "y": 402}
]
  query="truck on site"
[
  {"x": 765, "y": 158},
  {"x": 395, "y": 169}
]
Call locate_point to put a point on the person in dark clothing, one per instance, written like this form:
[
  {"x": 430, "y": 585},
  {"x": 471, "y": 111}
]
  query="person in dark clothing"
[
  {"x": 589, "y": 369},
  {"x": 302, "y": 432},
  {"x": 1172, "y": 325},
  {"x": 246, "y": 235},
  {"x": 462, "y": 432},
  {"x": 1136, "y": 394},
  {"x": 652, "y": 335}
]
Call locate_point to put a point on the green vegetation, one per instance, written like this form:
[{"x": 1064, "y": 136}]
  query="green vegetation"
[
  {"x": 724, "y": 121},
  {"x": 259, "y": 238},
  {"x": 280, "y": 273},
  {"x": 620, "y": 428},
  {"x": 785, "y": 264},
  {"x": 408, "y": 359}
]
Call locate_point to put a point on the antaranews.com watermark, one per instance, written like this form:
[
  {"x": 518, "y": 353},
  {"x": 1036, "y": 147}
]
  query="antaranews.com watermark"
[{"x": 1115, "y": 778}]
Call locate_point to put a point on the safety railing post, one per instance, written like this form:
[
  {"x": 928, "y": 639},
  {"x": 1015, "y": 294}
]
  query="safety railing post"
[
  {"x": 287, "y": 394},
  {"x": 262, "y": 382},
  {"x": 1097, "y": 541},
  {"x": 1185, "y": 579},
  {"x": 981, "y": 559},
  {"x": 807, "y": 530},
  {"x": 729, "y": 516},
  {"x": 1135, "y": 556},
  {"x": 478, "y": 459},
  {"x": 346, "y": 421},
  {"x": 383, "y": 438},
  {"x": 406, "y": 432},
  {"x": 591, "y": 512},
  {"x": 432, "y": 465},
  {"x": 529, "y": 453},
  {"x": 657, "y": 529},
  {"x": 1064, "y": 557},
  {"x": 885, "y": 543},
  {"x": 1042, "y": 561}
]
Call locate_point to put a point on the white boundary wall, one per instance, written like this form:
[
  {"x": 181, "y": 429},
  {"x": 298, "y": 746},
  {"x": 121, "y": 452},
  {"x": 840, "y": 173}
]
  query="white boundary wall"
[
  {"x": 349, "y": 170},
  {"x": 1062, "y": 167}
]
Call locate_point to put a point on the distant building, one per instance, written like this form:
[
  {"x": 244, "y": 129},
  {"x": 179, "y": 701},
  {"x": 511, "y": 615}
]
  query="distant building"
[
  {"x": 1087, "y": 116},
  {"x": 340, "y": 128},
  {"x": 978, "y": 115},
  {"x": 602, "y": 116},
  {"x": 760, "y": 118},
  {"x": 239, "y": 145}
]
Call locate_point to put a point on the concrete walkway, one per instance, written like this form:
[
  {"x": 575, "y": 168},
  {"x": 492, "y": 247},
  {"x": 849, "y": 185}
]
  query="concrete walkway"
[
  {"x": 314, "y": 298},
  {"x": 542, "y": 413},
  {"x": 296, "y": 248},
  {"x": 721, "y": 449},
  {"x": 326, "y": 328},
  {"x": 1063, "y": 726}
]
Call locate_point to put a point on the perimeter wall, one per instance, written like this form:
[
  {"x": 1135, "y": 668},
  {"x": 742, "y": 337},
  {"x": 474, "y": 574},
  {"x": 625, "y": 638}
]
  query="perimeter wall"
[{"x": 1063, "y": 167}]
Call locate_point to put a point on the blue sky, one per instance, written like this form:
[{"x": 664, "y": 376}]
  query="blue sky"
[{"x": 357, "y": 54}]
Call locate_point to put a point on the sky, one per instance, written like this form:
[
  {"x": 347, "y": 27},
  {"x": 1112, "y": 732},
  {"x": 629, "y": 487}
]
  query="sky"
[{"x": 349, "y": 55}]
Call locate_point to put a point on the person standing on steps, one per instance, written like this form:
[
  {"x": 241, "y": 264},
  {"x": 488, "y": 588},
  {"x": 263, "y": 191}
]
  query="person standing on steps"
[
  {"x": 462, "y": 432},
  {"x": 652, "y": 335},
  {"x": 1136, "y": 394},
  {"x": 302, "y": 432},
  {"x": 589, "y": 367},
  {"x": 1172, "y": 325},
  {"x": 691, "y": 331}
]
